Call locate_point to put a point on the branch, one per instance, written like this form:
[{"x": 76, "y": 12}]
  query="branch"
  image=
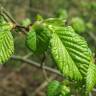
[
  {"x": 35, "y": 64},
  {"x": 43, "y": 85},
  {"x": 7, "y": 16},
  {"x": 92, "y": 36}
]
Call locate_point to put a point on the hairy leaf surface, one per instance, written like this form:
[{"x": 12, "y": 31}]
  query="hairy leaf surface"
[
  {"x": 6, "y": 41},
  {"x": 53, "y": 88},
  {"x": 38, "y": 39},
  {"x": 31, "y": 40},
  {"x": 91, "y": 77},
  {"x": 63, "y": 59},
  {"x": 76, "y": 46}
]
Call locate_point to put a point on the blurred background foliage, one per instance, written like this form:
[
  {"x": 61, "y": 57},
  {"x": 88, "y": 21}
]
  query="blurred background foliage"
[{"x": 21, "y": 79}]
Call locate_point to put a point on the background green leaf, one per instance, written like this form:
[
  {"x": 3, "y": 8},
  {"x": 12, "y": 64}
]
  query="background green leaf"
[
  {"x": 52, "y": 89},
  {"x": 78, "y": 24}
]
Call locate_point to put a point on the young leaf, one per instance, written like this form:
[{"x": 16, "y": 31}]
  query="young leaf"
[
  {"x": 78, "y": 24},
  {"x": 62, "y": 14},
  {"x": 64, "y": 90},
  {"x": 52, "y": 89},
  {"x": 26, "y": 22},
  {"x": 63, "y": 59},
  {"x": 31, "y": 39},
  {"x": 56, "y": 88},
  {"x": 91, "y": 77},
  {"x": 55, "y": 21},
  {"x": 6, "y": 41},
  {"x": 76, "y": 47},
  {"x": 38, "y": 39}
]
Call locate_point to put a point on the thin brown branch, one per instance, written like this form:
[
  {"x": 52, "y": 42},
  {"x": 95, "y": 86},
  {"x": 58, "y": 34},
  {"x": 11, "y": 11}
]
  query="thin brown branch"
[
  {"x": 7, "y": 14},
  {"x": 44, "y": 84},
  {"x": 8, "y": 17},
  {"x": 23, "y": 29},
  {"x": 35, "y": 64},
  {"x": 42, "y": 64},
  {"x": 92, "y": 36},
  {"x": 27, "y": 55}
]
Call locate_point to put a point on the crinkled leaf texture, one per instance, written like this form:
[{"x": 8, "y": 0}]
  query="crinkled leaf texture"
[
  {"x": 6, "y": 42},
  {"x": 91, "y": 77},
  {"x": 70, "y": 52},
  {"x": 64, "y": 90},
  {"x": 38, "y": 39},
  {"x": 31, "y": 40},
  {"x": 64, "y": 61},
  {"x": 78, "y": 25},
  {"x": 55, "y": 88}
]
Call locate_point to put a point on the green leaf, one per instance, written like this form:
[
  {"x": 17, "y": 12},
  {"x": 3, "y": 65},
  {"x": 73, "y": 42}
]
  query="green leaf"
[
  {"x": 63, "y": 59},
  {"x": 39, "y": 17},
  {"x": 64, "y": 90},
  {"x": 55, "y": 21},
  {"x": 52, "y": 89},
  {"x": 31, "y": 39},
  {"x": 26, "y": 22},
  {"x": 62, "y": 14},
  {"x": 91, "y": 77},
  {"x": 55, "y": 88},
  {"x": 6, "y": 41},
  {"x": 78, "y": 24},
  {"x": 76, "y": 47},
  {"x": 38, "y": 39}
]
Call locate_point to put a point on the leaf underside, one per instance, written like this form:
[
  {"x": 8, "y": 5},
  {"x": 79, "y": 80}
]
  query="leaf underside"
[{"x": 38, "y": 40}]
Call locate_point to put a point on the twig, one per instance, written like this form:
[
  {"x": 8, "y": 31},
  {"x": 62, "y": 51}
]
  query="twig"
[
  {"x": 23, "y": 29},
  {"x": 7, "y": 14},
  {"x": 35, "y": 64},
  {"x": 42, "y": 64},
  {"x": 8, "y": 17},
  {"x": 27, "y": 56},
  {"x": 44, "y": 84},
  {"x": 43, "y": 60},
  {"x": 92, "y": 36},
  {"x": 45, "y": 74}
]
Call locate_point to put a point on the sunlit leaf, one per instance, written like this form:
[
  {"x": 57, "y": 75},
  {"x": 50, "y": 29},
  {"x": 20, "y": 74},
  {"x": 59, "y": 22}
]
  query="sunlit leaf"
[
  {"x": 6, "y": 41},
  {"x": 76, "y": 46},
  {"x": 63, "y": 59},
  {"x": 91, "y": 77}
]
